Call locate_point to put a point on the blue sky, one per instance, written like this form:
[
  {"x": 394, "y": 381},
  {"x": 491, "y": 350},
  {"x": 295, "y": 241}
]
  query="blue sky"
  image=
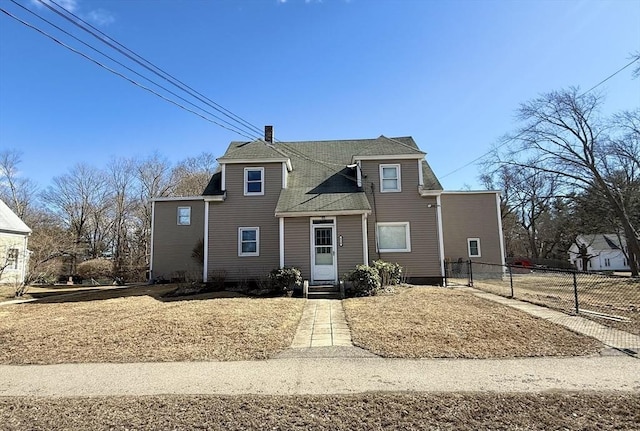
[{"x": 449, "y": 73}]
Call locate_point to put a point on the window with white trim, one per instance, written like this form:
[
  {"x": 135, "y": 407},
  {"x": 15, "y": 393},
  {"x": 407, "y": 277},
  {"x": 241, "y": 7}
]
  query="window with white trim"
[
  {"x": 473, "y": 246},
  {"x": 249, "y": 241},
  {"x": 184, "y": 216},
  {"x": 390, "y": 178},
  {"x": 607, "y": 261},
  {"x": 253, "y": 181},
  {"x": 393, "y": 237}
]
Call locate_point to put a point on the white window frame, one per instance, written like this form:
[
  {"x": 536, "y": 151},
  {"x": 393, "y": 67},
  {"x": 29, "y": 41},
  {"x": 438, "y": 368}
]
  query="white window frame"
[
  {"x": 246, "y": 181},
  {"x": 180, "y": 223},
  {"x": 407, "y": 226},
  {"x": 398, "y": 178},
  {"x": 607, "y": 262},
  {"x": 13, "y": 256},
  {"x": 243, "y": 229},
  {"x": 469, "y": 247}
]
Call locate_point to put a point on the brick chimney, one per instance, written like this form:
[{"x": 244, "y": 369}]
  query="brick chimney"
[{"x": 268, "y": 134}]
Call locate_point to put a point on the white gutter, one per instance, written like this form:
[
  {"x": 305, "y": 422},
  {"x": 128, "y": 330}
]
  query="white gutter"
[{"x": 322, "y": 213}]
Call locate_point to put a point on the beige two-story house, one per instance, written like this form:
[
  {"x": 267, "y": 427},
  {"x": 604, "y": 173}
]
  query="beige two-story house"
[{"x": 324, "y": 207}]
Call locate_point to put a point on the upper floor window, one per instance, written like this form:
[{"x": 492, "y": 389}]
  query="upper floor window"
[
  {"x": 253, "y": 181},
  {"x": 390, "y": 178},
  {"x": 473, "y": 244},
  {"x": 184, "y": 216}
]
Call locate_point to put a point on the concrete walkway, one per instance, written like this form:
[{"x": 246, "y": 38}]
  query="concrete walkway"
[
  {"x": 322, "y": 324},
  {"x": 614, "y": 338},
  {"x": 292, "y": 376}
]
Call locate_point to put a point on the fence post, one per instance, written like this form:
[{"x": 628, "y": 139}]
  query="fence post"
[
  {"x": 470, "y": 273},
  {"x": 575, "y": 291},
  {"x": 510, "y": 280}
]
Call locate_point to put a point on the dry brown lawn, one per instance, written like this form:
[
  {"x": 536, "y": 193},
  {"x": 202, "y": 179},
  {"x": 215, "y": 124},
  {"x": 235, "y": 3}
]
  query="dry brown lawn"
[
  {"x": 612, "y": 296},
  {"x": 136, "y": 324},
  {"x": 372, "y": 411},
  {"x": 429, "y": 322}
]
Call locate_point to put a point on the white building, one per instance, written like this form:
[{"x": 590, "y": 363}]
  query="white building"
[
  {"x": 603, "y": 252},
  {"x": 14, "y": 255}
]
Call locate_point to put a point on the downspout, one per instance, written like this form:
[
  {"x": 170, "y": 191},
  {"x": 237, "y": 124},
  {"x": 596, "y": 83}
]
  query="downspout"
[
  {"x": 205, "y": 263},
  {"x": 440, "y": 238},
  {"x": 375, "y": 215},
  {"x": 153, "y": 217},
  {"x": 501, "y": 235},
  {"x": 281, "y": 239}
]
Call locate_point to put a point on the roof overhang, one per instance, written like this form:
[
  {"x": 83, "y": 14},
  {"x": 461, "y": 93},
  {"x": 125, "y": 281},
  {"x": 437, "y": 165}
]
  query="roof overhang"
[
  {"x": 429, "y": 193},
  {"x": 389, "y": 157},
  {"x": 471, "y": 192},
  {"x": 322, "y": 213},
  {"x": 256, "y": 161},
  {"x": 207, "y": 198}
]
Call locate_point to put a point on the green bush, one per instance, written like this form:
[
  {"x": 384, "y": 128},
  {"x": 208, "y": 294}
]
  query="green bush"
[
  {"x": 390, "y": 273},
  {"x": 365, "y": 281},
  {"x": 95, "y": 268},
  {"x": 285, "y": 279}
]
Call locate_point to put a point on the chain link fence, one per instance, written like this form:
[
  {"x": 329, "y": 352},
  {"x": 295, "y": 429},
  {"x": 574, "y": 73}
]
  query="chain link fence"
[{"x": 610, "y": 300}]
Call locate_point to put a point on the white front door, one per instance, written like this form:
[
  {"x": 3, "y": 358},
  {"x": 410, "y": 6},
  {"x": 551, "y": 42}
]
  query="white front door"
[{"x": 323, "y": 253}]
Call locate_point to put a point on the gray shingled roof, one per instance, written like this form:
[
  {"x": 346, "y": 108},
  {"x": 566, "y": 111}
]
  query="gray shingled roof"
[
  {"x": 599, "y": 241},
  {"x": 10, "y": 222},
  {"x": 258, "y": 150},
  {"x": 321, "y": 180}
]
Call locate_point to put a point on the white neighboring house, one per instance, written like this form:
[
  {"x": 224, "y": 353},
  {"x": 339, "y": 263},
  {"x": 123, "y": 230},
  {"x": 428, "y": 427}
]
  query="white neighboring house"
[
  {"x": 605, "y": 252},
  {"x": 14, "y": 255}
]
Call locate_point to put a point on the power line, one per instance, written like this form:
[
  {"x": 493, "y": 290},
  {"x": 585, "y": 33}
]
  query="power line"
[
  {"x": 231, "y": 127},
  {"x": 106, "y": 39},
  {"x": 118, "y": 73},
  {"x": 513, "y": 138}
]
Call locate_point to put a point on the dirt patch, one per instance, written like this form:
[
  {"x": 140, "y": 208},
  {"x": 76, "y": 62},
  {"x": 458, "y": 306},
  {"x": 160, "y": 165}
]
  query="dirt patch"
[
  {"x": 426, "y": 322},
  {"x": 133, "y": 325},
  {"x": 388, "y": 411}
]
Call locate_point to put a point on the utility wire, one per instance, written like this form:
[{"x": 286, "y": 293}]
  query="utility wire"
[
  {"x": 513, "y": 138},
  {"x": 115, "y": 72},
  {"x": 112, "y": 43},
  {"x": 231, "y": 127}
]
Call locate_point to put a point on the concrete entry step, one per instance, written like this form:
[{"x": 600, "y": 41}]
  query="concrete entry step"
[{"x": 324, "y": 291}]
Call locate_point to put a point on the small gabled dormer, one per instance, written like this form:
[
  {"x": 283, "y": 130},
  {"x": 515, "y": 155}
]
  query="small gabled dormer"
[{"x": 254, "y": 162}]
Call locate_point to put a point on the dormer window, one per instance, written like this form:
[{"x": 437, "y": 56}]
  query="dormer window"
[
  {"x": 253, "y": 181},
  {"x": 390, "y": 178}
]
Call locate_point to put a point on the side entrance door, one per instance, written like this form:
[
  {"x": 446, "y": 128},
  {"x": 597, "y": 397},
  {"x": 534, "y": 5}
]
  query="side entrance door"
[{"x": 323, "y": 253}]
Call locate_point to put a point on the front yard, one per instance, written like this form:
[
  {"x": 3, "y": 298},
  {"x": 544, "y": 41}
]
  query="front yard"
[
  {"x": 429, "y": 322},
  {"x": 135, "y": 324}
]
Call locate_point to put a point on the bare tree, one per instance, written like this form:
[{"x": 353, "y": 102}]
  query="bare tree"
[
  {"x": 80, "y": 200},
  {"x": 16, "y": 191},
  {"x": 563, "y": 133},
  {"x": 191, "y": 175},
  {"x": 121, "y": 178}
]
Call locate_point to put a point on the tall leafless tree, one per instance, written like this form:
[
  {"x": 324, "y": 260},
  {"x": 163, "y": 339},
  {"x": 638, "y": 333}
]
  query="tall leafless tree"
[
  {"x": 565, "y": 136},
  {"x": 17, "y": 191}
]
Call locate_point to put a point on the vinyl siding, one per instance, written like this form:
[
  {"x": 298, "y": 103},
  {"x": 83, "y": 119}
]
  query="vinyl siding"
[
  {"x": 404, "y": 206},
  {"x": 472, "y": 215},
  {"x": 245, "y": 211},
  {"x": 172, "y": 243},
  {"x": 297, "y": 248},
  {"x": 350, "y": 254}
]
